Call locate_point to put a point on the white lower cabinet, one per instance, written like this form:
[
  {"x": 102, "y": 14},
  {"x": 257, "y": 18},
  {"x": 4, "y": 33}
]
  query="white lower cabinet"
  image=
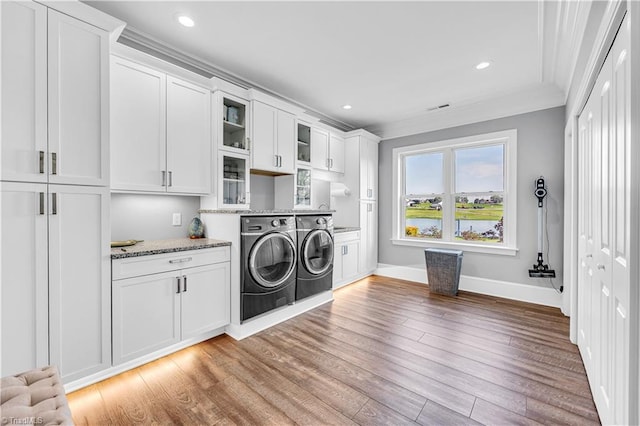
[
  {"x": 346, "y": 258},
  {"x": 152, "y": 311},
  {"x": 55, "y": 279}
]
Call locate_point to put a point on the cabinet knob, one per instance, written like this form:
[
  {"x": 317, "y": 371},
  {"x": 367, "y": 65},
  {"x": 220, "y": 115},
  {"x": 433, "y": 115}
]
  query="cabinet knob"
[{"x": 600, "y": 266}]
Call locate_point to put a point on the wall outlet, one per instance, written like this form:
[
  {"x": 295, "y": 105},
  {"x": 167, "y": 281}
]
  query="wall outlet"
[{"x": 177, "y": 219}]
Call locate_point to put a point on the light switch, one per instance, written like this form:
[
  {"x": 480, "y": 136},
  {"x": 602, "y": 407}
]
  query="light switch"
[{"x": 177, "y": 219}]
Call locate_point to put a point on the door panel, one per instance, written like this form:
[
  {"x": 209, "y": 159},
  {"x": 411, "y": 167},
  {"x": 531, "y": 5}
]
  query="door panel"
[
  {"x": 78, "y": 108},
  {"x": 263, "y": 150},
  {"x": 24, "y": 91},
  {"x": 205, "y": 299},
  {"x": 287, "y": 142},
  {"x": 79, "y": 280},
  {"x": 24, "y": 311}
]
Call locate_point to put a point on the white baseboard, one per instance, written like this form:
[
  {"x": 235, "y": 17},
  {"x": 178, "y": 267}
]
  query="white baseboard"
[
  {"x": 508, "y": 290},
  {"x": 255, "y": 325},
  {"x": 121, "y": 368}
]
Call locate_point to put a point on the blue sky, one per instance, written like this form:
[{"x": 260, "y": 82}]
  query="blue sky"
[{"x": 476, "y": 170}]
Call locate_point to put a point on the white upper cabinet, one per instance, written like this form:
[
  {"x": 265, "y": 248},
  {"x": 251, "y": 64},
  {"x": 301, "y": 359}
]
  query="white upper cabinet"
[
  {"x": 138, "y": 127},
  {"x": 336, "y": 153},
  {"x": 160, "y": 132},
  {"x": 233, "y": 134},
  {"x": 368, "y": 168},
  {"x": 327, "y": 151},
  {"x": 78, "y": 91},
  {"x": 188, "y": 137},
  {"x": 319, "y": 148},
  {"x": 274, "y": 133},
  {"x": 55, "y": 79},
  {"x": 24, "y": 91}
]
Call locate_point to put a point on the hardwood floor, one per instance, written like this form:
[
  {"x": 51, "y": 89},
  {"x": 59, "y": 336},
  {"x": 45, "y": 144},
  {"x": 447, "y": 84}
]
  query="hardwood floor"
[{"x": 383, "y": 352}]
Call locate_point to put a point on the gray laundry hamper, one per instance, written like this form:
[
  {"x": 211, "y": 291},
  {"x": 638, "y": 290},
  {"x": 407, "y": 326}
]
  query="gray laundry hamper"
[{"x": 443, "y": 270}]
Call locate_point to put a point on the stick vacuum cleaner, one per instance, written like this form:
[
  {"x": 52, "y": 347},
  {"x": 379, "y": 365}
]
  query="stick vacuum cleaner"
[{"x": 540, "y": 270}]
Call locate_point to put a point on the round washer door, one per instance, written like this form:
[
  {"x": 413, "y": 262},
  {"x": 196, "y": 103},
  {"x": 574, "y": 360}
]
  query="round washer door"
[
  {"x": 272, "y": 259},
  {"x": 317, "y": 251}
]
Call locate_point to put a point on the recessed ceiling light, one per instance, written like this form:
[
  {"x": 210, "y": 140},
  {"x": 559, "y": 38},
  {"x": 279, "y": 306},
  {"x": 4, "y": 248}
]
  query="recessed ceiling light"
[
  {"x": 483, "y": 65},
  {"x": 346, "y": 106},
  {"x": 186, "y": 21}
]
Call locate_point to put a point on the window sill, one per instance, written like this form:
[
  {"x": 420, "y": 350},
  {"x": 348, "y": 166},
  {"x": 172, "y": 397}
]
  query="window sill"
[{"x": 475, "y": 248}]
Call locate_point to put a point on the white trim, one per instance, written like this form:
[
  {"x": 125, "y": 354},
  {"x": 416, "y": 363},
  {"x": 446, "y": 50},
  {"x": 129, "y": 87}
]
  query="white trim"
[
  {"x": 510, "y": 140},
  {"x": 507, "y": 290},
  {"x": 255, "y": 325},
  {"x": 126, "y": 366}
]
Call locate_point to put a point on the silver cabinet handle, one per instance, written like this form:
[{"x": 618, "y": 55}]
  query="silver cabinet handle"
[
  {"x": 164, "y": 178},
  {"x": 41, "y": 154},
  {"x": 600, "y": 266},
  {"x": 54, "y": 203},
  {"x": 184, "y": 286},
  {"x": 248, "y": 144},
  {"x": 178, "y": 281},
  {"x": 589, "y": 255},
  {"x": 369, "y": 193},
  {"x": 170, "y": 178},
  {"x": 279, "y": 160},
  {"x": 369, "y": 208},
  {"x": 183, "y": 260},
  {"x": 42, "y": 203},
  {"x": 275, "y": 158},
  {"x": 331, "y": 162},
  {"x": 54, "y": 163}
]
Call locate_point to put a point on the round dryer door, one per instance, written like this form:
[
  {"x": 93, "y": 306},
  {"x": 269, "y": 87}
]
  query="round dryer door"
[
  {"x": 317, "y": 252},
  {"x": 272, "y": 259}
]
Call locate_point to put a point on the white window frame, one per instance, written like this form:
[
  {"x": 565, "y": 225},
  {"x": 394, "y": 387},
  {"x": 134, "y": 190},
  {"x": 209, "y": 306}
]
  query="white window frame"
[{"x": 510, "y": 140}]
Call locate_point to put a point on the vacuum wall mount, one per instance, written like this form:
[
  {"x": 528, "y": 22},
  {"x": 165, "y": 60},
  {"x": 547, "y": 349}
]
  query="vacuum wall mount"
[{"x": 540, "y": 269}]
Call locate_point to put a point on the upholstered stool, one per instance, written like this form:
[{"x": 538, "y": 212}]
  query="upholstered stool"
[{"x": 34, "y": 397}]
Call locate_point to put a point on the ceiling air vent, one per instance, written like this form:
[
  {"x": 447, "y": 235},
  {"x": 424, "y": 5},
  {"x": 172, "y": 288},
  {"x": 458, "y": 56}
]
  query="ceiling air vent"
[{"x": 439, "y": 107}]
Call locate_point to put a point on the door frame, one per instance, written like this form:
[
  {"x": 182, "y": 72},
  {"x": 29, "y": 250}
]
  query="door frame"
[{"x": 607, "y": 31}]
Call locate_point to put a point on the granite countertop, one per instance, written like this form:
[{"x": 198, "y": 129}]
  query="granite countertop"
[
  {"x": 340, "y": 229},
  {"x": 266, "y": 212},
  {"x": 145, "y": 248}
]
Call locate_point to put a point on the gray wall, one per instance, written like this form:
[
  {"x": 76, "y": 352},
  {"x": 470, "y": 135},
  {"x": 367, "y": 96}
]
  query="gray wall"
[
  {"x": 149, "y": 217},
  {"x": 540, "y": 152},
  {"x": 262, "y": 192}
]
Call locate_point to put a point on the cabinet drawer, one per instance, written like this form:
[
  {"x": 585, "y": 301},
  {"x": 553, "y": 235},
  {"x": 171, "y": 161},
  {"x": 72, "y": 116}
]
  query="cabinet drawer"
[
  {"x": 341, "y": 237},
  {"x": 156, "y": 263}
]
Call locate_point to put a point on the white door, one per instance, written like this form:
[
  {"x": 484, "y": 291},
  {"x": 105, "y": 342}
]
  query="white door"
[
  {"x": 138, "y": 127},
  {"x": 24, "y": 309},
  {"x": 319, "y": 149},
  {"x": 336, "y": 153},
  {"x": 79, "y": 280},
  {"x": 604, "y": 279},
  {"x": 189, "y": 143},
  {"x": 205, "y": 299},
  {"x": 263, "y": 149},
  {"x": 369, "y": 234},
  {"x": 350, "y": 259},
  {"x": 372, "y": 166},
  {"x": 286, "y": 138},
  {"x": 24, "y": 91},
  {"x": 78, "y": 102},
  {"x": 146, "y": 315}
]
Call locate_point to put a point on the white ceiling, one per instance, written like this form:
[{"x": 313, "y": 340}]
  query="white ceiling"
[{"x": 391, "y": 61}]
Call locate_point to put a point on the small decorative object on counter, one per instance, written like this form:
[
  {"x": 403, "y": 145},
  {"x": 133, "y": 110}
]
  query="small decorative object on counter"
[{"x": 196, "y": 228}]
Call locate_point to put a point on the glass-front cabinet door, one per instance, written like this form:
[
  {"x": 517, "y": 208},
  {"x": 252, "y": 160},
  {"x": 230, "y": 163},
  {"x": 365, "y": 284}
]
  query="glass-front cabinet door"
[
  {"x": 234, "y": 130},
  {"x": 233, "y": 178},
  {"x": 304, "y": 143},
  {"x": 303, "y": 188}
]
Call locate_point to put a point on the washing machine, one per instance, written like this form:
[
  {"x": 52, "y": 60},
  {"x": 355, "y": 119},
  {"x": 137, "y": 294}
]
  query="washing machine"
[
  {"x": 268, "y": 274},
  {"x": 315, "y": 255}
]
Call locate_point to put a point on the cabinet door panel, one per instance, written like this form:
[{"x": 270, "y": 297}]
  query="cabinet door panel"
[
  {"x": 24, "y": 91},
  {"x": 138, "y": 130},
  {"x": 287, "y": 142},
  {"x": 351, "y": 260},
  {"x": 205, "y": 300},
  {"x": 319, "y": 149},
  {"x": 25, "y": 322},
  {"x": 336, "y": 154},
  {"x": 188, "y": 138},
  {"x": 146, "y": 315},
  {"x": 79, "y": 273},
  {"x": 78, "y": 84},
  {"x": 263, "y": 149}
]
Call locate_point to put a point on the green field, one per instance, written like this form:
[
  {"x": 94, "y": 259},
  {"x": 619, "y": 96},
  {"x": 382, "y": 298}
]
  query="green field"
[{"x": 463, "y": 211}]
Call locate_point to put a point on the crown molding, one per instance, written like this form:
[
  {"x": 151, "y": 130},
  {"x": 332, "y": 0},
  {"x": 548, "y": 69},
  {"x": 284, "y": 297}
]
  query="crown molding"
[
  {"x": 531, "y": 99},
  {"x": 155, "y": 47}
]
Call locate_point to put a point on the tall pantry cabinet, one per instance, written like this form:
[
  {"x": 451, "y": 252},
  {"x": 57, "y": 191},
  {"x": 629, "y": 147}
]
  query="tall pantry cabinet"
[
  {"x": 55, "y": 288},
  {"x": 360, "y": 209}
]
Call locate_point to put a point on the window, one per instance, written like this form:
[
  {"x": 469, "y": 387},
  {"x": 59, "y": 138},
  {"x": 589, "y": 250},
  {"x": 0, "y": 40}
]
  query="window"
[{"x": 459, "y": 193}]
